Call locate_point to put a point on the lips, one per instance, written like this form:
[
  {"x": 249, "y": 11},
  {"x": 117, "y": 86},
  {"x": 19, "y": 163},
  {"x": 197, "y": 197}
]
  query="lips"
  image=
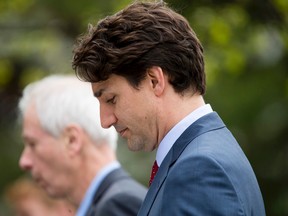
[
  {"x": 121, "y": 131},
  {"x": 38, "y": 180}
]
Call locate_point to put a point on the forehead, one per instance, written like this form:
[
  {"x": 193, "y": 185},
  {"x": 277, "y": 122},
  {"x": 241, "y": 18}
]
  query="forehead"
[
  {"x": 112, "y": 84},
  {"x": 31, "y": 128}
]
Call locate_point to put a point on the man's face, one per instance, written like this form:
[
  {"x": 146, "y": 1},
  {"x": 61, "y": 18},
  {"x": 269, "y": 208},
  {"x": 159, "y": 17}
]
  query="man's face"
[
  {"x": 37, "y": 206},
  {"x": 131, "y": 111},
  {"x": 44, "y": 156},
  {"x": 30, "y": 207}
]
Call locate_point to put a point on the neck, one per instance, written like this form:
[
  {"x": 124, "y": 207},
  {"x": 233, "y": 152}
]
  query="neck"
[
  {"x": 176, "y": 109},
  {"x": 91, "y": 162}
]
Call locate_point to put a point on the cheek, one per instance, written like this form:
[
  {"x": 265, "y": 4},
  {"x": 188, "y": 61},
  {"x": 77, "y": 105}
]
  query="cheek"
[
  {"x": 42, "y": 163},
  {"x": 46, "y": 158},
  {"x": 132, "y": 108},
  {"x": 125, "y": 112}
]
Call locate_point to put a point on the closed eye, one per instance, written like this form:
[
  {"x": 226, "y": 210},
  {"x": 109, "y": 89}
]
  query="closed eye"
[
  {"x": 30, "y": 144},
  {"x": 111, "y": 100}
]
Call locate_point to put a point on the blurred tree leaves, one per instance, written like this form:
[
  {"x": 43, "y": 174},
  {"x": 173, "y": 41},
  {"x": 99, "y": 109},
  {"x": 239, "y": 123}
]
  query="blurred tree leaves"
[{"x": 246, "y": 53}]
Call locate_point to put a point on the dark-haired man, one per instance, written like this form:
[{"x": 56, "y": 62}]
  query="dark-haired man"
[{"x": 146, "y": 67}]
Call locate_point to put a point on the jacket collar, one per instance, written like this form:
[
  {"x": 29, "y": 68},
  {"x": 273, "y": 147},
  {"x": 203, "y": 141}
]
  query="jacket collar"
[{"x": 206, "y": 123}]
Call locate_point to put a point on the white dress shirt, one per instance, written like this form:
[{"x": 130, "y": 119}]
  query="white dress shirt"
[{"x": 171, "y": 137}]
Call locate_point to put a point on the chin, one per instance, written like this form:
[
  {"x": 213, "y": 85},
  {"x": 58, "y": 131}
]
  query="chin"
[
  {"x": 54, "y": 194},
  {"x": 131, "y": 148},
  {"x": 134, "y": 146}
]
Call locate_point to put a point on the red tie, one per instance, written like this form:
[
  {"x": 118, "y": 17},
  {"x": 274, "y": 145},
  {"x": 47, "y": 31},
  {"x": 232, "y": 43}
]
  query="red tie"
[{"x": 153, "y": 172}]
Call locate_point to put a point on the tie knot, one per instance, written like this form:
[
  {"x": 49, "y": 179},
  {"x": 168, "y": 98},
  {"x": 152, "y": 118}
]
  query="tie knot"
[{"x": 153, "y": 172}]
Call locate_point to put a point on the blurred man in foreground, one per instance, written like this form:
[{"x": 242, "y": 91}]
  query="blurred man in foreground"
[
  {"x": 25, "y": 198},
  {"x": 69, "y": 154}
]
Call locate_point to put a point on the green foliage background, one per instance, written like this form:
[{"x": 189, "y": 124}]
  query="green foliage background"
[{"x": 246, "y": 51}]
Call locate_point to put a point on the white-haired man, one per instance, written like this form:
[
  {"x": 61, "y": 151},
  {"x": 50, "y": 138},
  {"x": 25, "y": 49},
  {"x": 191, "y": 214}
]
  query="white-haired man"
[{"x": 69, "y": 154}]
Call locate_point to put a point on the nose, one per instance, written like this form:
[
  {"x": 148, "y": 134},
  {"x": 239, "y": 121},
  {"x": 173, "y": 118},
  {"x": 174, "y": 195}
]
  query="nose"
[
  {"x": 25, "y": 162},
  {"x": 107, "y": 116}
]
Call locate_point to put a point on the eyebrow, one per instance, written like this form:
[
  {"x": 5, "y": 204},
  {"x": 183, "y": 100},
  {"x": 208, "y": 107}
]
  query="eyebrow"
[{"x": 98, "y": 94}]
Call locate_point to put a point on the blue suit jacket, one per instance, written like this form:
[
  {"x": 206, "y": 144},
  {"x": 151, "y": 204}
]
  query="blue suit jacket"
[{"x": 205, "y": 173}]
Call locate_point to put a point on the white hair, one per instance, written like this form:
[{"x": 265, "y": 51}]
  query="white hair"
[{"x": 61, "y": 100}]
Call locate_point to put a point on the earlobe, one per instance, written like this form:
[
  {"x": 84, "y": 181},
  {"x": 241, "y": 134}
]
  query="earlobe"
[{"x": 157, "y": 79}]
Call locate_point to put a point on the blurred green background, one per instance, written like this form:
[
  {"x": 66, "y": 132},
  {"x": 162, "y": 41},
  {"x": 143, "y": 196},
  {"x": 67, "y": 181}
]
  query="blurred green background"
[{"x": 246, "y": 51}]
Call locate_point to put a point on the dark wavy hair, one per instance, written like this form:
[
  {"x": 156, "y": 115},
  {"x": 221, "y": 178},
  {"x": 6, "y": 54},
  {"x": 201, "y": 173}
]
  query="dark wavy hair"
[{"x": 135, "y": 39}]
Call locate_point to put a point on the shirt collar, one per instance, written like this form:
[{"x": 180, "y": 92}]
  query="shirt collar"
[{"x": 171, "y": 137}]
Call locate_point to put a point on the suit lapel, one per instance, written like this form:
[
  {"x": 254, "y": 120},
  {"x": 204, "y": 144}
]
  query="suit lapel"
[
  {"x": 112, "y": 177},
  {"x": 206, "y": 123}
]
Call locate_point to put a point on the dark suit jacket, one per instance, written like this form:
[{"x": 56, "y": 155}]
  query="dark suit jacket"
[
  {"x": 118, "y": 195},
  {"x": 205, "y": 173}
]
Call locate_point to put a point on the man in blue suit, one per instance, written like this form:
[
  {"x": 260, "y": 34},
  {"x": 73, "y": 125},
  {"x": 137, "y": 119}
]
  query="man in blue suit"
[{"x": 146, "y": 67}]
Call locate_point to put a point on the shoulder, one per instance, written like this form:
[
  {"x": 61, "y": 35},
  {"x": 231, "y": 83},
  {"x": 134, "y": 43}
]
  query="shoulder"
[
  {"x": 127, "y": 187},
  {"x": 124, "y": 197}
]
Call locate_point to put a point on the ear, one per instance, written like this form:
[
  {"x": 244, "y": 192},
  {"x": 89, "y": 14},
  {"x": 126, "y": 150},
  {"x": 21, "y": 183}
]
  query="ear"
[
  {"x": 73, "y": 138},
  {"x": 157, "y": 79}
]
